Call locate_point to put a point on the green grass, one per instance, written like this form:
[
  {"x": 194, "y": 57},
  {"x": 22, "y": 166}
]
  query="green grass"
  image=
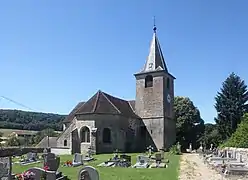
[{"x": 170, "y": 173}]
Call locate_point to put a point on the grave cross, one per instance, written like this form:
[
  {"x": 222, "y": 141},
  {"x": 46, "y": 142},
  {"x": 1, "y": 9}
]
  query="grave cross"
[
  {"x": 90, "y": 152},
  {"x": 116, "y": 152},
  {"x": 150, "y": 148}
]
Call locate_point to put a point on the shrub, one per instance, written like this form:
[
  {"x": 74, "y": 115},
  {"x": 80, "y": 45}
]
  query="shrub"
[{"x": 239, "y": 138}]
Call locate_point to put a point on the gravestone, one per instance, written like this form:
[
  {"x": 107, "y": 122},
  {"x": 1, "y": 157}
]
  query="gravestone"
[
  {"x": 41, "y": 173},
  {"x": 53, "y": 164},
  {"x": 88, "y": 173},
  {"x": 5, "y": 168},
  {"x": 142, "y": 162}
]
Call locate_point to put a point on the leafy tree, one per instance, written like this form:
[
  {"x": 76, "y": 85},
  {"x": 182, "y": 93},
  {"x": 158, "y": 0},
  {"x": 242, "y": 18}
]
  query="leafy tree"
[
  {"x": 211, "y": 135},
  {"x": 190, "y": 126},
  {"x": 13, "y": 140},
  {"x": 230, "y": 105},
  {"x": 239, "y": 138}
]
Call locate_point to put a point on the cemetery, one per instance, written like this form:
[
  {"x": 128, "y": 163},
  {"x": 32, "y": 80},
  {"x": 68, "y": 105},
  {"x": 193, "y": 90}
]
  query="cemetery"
[{"x": 103, "y": 166}]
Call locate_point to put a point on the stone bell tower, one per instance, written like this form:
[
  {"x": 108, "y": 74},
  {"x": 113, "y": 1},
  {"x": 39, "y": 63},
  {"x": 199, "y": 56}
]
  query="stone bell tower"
[{"x": 154, "y": 98}]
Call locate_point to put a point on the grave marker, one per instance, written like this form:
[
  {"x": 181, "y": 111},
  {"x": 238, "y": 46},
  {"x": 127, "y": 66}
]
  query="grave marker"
[{"x": 5, "y": 168}]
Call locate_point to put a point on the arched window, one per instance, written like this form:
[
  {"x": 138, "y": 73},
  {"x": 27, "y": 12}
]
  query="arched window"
[
  {"x": 65, "y": 142},
  {"x": 85, "y": 134},
  {"x": 148, "y": 81},
  {"x": 168, "y": 83},
  {"x": 106, "y": 138}
]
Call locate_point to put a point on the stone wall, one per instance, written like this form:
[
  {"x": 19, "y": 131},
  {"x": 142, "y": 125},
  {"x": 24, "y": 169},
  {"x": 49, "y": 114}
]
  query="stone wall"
[
  {"x": 61, "y": 151},
  {"x": 242, "y": 151},
  {"x": 11, "y": 151}
]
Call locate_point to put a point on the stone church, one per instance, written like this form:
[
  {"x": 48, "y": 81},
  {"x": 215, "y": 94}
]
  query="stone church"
[{"x": 105, "y": 123}]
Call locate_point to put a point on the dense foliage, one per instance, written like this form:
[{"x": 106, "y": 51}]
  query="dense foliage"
[
  {"x": 239, "y": 138},
  {"x": 211, "y": 135},
  {"x": 230, "y": 105},
  {"x": 16, "y": 119},
  {"x": 190, "y": 126}
]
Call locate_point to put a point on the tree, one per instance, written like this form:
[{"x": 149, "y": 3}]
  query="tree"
[
  {"x": 190, "y": 126},
  {"x": 230, "y": 105},
  {"x": 211, "y": 135},
  {"x": 239, "y": 138},
  {"x": 13, "y": 140}
]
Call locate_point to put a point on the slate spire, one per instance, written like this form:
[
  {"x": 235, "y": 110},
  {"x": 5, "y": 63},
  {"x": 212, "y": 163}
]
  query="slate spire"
[{"x": 155, "y": 60}]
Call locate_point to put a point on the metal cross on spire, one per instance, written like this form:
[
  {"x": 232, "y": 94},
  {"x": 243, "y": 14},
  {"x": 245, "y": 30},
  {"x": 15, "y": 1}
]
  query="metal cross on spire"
[{"x": 154, "y": 24}]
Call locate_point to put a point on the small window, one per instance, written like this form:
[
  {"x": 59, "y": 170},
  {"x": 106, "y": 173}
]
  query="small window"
[
  {"x": 168, "y": 83},
  {"x": 151, "y": 131},
  {"x": 148, "y": 81},
  {"x": 65, "y": 142},
  {"x": 106, "y": 138}
]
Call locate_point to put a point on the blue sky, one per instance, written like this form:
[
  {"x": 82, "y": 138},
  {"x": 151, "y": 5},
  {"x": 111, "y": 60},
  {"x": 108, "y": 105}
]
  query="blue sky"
[{"x": 54, "y": 54}]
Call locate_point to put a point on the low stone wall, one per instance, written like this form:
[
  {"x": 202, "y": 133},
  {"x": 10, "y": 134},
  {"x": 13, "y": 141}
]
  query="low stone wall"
[
  {"x": 61, "y": 151},
  {"x": 242, "y": 151},
  {"x": 18, "y": 151}
]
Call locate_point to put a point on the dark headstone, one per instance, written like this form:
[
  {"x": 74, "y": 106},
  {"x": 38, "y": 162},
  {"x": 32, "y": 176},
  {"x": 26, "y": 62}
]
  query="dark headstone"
[
  {"x": 88, "y": 173},
  {"x": 5, "y": 168}
]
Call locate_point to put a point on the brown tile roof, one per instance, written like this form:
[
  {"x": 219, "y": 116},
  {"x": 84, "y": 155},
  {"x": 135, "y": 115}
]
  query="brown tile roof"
[
  {"x": 70, "y": 117},
  {"x": 103, "y": 103}
]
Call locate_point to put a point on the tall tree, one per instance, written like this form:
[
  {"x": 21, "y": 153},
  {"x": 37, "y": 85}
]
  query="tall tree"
[
  {"x": 190, "y": 126},
  {"x": 230, "y": 105}
]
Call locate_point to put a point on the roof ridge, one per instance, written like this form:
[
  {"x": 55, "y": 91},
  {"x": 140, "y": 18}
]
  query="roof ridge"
[
  {"x": 110, "y": 102},
  {"x": 96, "y": 102},
  {"x": 130, "y": 106}
]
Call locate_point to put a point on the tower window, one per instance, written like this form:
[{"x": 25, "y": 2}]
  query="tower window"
[
  {"x": 148, "y": 81},
  {"x": 168, "y": 83}
]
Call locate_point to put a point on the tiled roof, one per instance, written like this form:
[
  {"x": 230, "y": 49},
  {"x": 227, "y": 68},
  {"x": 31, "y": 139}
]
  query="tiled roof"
[
  {"x": 70, "y": 117},
  {"x": 103, "y": 103}
]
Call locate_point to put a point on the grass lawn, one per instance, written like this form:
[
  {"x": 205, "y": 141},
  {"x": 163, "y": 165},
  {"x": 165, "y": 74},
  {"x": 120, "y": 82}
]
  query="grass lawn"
[{"x": 170, "y": 173}]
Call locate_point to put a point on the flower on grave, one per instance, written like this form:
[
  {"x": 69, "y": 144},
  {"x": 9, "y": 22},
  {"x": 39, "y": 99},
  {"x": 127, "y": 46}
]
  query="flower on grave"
[
  {"x": 46, "y": 168},
  {"x": 68, "y": 163}
]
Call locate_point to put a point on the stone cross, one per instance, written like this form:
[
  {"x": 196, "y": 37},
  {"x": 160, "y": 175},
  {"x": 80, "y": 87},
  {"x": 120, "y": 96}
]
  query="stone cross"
[
  {"x": 150, "y": 148},
  {"x": 211, "y": 147},
  {"x": 190, "y": 147},
  {"x": 90, "y": 152}
]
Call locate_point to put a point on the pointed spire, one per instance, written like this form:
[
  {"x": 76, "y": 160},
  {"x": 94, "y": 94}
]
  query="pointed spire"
[{"x": 155, "y": 60}]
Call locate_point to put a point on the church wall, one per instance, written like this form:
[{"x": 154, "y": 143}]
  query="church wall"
[
  {"x": 155, "y": 132},
  {"x": 66, "y": 135},
  {"x": 170, "y": 132}
]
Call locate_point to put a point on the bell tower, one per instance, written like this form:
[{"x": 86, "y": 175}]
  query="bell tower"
[{"x": 154, "y": 98}]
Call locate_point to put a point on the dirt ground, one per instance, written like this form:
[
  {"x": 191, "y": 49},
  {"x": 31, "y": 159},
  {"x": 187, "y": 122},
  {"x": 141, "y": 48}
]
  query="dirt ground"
[{"x": 193, "y": 168}]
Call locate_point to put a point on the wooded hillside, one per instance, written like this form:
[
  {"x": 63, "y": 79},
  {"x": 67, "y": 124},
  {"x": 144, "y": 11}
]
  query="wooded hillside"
[{"x": 17, "y": 119}]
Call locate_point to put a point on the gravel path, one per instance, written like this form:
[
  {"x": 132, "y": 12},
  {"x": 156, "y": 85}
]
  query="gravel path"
[{"x": 193, "y": 168}]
